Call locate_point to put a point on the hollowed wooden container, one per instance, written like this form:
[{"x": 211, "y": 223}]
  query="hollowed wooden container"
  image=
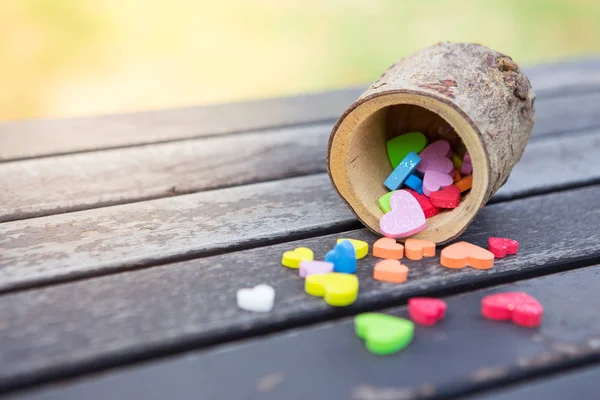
[{"x": 466, "y": 93}]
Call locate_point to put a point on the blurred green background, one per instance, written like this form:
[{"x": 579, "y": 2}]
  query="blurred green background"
[{"x": 78, "y": 57}]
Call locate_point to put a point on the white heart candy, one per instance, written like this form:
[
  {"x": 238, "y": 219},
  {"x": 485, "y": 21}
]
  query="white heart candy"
[{"x": 260, "y": 298}]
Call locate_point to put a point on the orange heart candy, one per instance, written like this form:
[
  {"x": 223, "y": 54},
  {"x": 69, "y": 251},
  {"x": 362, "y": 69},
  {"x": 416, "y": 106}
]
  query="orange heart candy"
[
  {"x": 388, "y": 248},
  {"x": 390, "y": 271},
  {"x": 416, "y": 249},
  {"x": 461, "y": 254}
]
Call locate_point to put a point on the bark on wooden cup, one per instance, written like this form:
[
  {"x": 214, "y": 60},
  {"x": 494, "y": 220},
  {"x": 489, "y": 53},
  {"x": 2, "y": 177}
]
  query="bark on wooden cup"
[{"x": 466, "y": 93}]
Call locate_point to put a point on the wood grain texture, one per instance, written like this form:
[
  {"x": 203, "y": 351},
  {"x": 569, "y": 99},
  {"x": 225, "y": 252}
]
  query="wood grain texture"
[
  {"x": 86, "y": 243},
  {"x": 26, "y": 139},
  {"x": 68, "y": 183},
  {"x": 97, "y": 323}
]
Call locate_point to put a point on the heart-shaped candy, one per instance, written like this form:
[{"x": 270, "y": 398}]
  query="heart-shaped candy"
[
  {"x": 461, "y": 254},
  {"x": 428, "y": 209},
  {"x": 390, "y": 271},
  {"x": 260, "y": 298},
  {"x": 465, "y": 183},
  {"x": 388, "y": 248},
  {"x": 435, "y": 158},
  {"x": 402, "y": 171},
  {"x": 315, "y": 267},
  {"x": 457, "y": 176},
  {"x": 384, "y": 202},
  {"x": 406, "y": 217},
  {"x": 415, "y": 183},
  {"x": 426, "y": 311},
  {"x": 416, "y": 249},
  {"x": 500, "y": 247},
  {"x": 400, "y": 146},
  {"x": 521, "y": 308},
  {"x": 383, "y": 334},
  {"x": 336, "y": 289},
  {"x": 448, "y": 197},
  {"x": 434, "y": 181},
  {"x": 467, "y": 166},
  {"x": 456, "y": 161},
  {"x": 343, "y": 257},
  {"x": 293, "y": 258},
  {"x": 361, "y": 248}
]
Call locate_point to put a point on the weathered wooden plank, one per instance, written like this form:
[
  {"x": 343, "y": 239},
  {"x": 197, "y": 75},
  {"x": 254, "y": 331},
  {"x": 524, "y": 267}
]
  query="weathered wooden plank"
[
  {"x": 96, "y": 323},
  {"x": 26, "y": 139},
  {"x": 121, "y": 237},
  {"x": 580, "y": 384},
  {"x": 47, "y": 186}
]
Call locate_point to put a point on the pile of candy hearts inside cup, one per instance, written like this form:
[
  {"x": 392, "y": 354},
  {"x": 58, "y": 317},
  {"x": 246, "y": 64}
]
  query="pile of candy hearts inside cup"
[{"x": 426, "y": 180}]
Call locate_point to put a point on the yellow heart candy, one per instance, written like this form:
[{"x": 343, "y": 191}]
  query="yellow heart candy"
[
  {"x": 337, "y": 289},
  {"x": 293, "y": 258},
  {"x": 361, "y": 249}
]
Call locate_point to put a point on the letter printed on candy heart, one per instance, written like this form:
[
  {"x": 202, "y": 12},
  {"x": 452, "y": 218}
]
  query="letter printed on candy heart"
[
  {"x": 361, "y": 247},
  {"x": 434, "y": 181},
  {"x": 448, "y": 197},
  {"x": 337, "y": 289},
  {"x": 435, "y": 158},
  {"x": 402, "y": 171},
  {"x": 314, "y": 267},
  {"x": 388, "y": 248},
  {"x": 383, "y": 334},
  {"x": 390, "y": 271},
  {"x": 400, "y": 146},
  {"x": 293, "y": 258},
  {"x": 521, "y": 308},
  {"x": 500, "y": 247},
  {"x": 426, "y": 311},
  {"x": 343, "y": 257},
  {"x": 416, "y": 249},
  {"x": 406, "y": 217},
  {"x": 461, "y": 254}
]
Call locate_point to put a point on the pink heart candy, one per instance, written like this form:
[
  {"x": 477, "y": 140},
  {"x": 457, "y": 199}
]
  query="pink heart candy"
[
  {"x": 434, "y": 181},
  {"x": 467, "y": 166},
  {"x": 406, "y": 217},
  {"x": 315, "y": 267},
  {"x": 435, "y": 157}
]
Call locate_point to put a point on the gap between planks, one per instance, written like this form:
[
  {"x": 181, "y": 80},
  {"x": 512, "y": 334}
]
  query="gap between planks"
[{"x": 71, "y": 183}]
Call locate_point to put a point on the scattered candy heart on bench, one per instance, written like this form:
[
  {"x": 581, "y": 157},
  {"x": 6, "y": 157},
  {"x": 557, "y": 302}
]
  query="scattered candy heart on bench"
[
  {"x": 467, "y": 167},
  {"x": 416, "y": 249},
  {"x": 361, "y": 248},
  {"x": 406, "y": 217},
  {"x": 462, "y": 254},
  {"x": 336, "y": 289},
  {"x": 383, "y": 334},
  {"x": 415, "y": 183},
  {"x": 390, "y": 271},
  {"x": 435, "y": 158},
  {"x": 428, "y": 209},
  {"x": 426, "y": 311},
  {"x": 314, "y": 267},
  {"x": 399, "y": 147},
  {"x": 293, "y": 258},
  {"x": 434, "y": 181},
  {"x": 448, "y": 197},
  {"x": 521, "y": 308},
  {"x": 500, "y": 247},
  {"x": 343, "y": 257},
  {"x": 465, "y": 183},
  {"x": 260, "y": 298},
  {"x": 402, "y": 171},
  {"x": 388, "y": 248}
]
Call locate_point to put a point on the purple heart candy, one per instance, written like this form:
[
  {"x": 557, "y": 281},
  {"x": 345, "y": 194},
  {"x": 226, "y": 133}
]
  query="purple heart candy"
[
  {"x": 315, "y": 267},
  {"x": 434, "y": 181}
]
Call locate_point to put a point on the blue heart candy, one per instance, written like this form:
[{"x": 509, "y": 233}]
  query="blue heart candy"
[{"x": 343, "y": 257}]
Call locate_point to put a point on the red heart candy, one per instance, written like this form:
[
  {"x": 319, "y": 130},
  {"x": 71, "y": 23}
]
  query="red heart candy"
[
  {"x": 428, "y": 209},
  {"x": 448, "y": 197},
  {"x": 426, "y": 311},
  {"x": 502, "y": 246},
  {"x": 521, "y": 308}
]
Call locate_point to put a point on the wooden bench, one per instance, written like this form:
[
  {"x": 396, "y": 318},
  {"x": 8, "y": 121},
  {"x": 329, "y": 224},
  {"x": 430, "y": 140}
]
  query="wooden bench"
[{"x": 124, "y": 238}]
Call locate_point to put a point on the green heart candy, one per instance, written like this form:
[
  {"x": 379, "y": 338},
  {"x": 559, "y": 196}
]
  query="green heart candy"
[
  {"x": 384, "y": 202},
  {"x": 383, "y": 334},
  {"x": 400, "y": 146}
]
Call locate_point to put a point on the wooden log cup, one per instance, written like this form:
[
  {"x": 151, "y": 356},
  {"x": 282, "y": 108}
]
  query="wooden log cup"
[{"x": 470, "y": 95}]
